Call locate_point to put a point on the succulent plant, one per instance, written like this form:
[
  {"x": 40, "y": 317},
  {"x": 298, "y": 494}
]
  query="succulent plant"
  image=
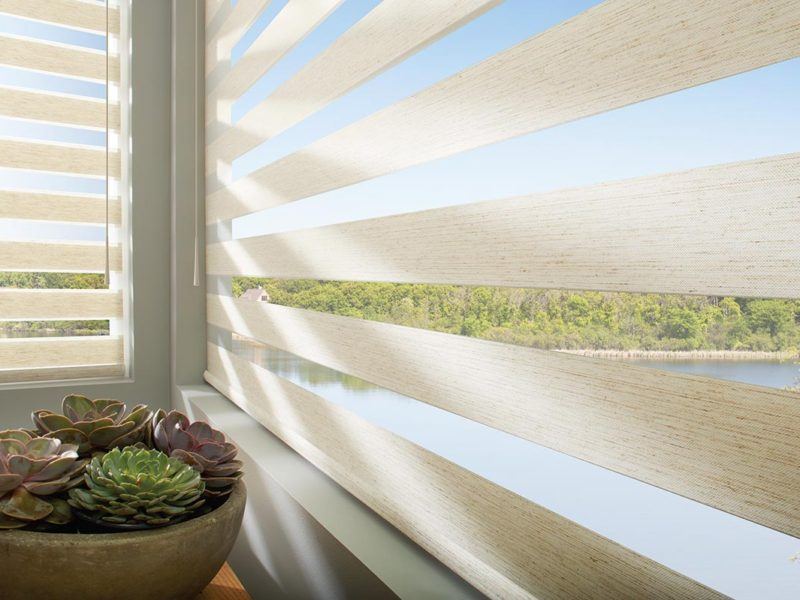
[
  {"x": 94, "y": 425},
  {"x": 32, "y": 469},
  {"x": 138, "y": 486},
  {"x": 200, "y": 446}
]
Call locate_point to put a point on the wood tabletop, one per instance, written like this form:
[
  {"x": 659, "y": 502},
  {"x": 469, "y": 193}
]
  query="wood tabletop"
[{"x": 225, "y": 586}]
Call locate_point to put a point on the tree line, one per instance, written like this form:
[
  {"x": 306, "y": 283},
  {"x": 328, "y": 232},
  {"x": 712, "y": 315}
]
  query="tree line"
[
  {"x": 554, "y": 319},
  {"x": 550, "y": 319}
]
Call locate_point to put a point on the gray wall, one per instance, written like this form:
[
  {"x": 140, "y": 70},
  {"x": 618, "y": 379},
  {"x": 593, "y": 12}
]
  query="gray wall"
[
  {"x": 150, "y": 182},
  {"x": 188, "y": 302}
]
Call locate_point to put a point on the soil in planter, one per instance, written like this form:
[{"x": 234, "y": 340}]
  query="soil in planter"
[{"x": 81, "y": 526}]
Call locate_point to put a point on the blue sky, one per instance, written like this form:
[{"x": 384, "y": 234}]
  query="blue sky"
[{"x": 742, "y": 117}]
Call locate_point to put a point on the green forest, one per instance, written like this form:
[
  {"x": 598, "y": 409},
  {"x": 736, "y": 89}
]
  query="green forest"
[
  {"x": 551, "y": 319},
  {"x": 70, "y": 281},
  {"x": 555, "y": 319}
]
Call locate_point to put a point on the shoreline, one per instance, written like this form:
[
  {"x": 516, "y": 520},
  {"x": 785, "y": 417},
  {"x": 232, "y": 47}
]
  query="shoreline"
[
  {"x": 665, "y": 355},
  {"x": 680, "y": 355}
]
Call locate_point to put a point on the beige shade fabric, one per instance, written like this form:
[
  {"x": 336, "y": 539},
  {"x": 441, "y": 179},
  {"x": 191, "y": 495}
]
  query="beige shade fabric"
[
  {"x": 87, "y": 161},
  {"x": 49, "y": 373},
  {"x": 67, "y": 208},
  {"x": 57, "y": 59},
  {"x": 51, "y": 206},
  {"x": 46, "y": 304},
  {"x": 615, "y": 54},
  {"x": 729, "y": 445},
  {"x": 59, "y": 109},
  {"x": 503, "y": 544},
  {"x": 238, "y": 20},
  {"x": 68, "y": 257},
  {"x": 77, "y": 14},
  {"x": 371, "y": 46},
  {"x": 727, "y": 230},
  {"x": 57, "y": 352},
  {"x": 296, "y": 20}
]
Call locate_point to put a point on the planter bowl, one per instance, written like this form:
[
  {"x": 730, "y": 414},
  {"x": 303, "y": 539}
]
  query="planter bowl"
[{"x": 169, "y": 563}]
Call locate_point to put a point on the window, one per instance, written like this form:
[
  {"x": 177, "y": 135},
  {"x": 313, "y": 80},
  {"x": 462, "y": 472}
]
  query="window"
[
  {"x": 526, "y": 470},
  {"x": 63, "y": 192}
]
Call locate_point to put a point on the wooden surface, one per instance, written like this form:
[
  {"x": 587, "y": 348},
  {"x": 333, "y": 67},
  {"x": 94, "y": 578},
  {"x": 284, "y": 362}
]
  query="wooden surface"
[{"x": 225, "y": 586}]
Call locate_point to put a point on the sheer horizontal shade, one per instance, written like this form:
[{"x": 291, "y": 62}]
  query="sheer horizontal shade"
[
  {"x": 726, "y": 444},
  {"x": 504, "y": 545},
  {"x": 213, "y": 8},
  {"x": 65, "y": 257},
  {"x": 295, "y": 21},
  {"x": 59, "y": 109},
  {"x": 76, "y": 14},
  {"x": 615, "y": 54},
  {"x": 372, "y": 45},
  {"x": 45, "y": 304},
  {"x": 723, "y": 230},
  {"x": 58, "y": 352},
  {"x": 236, "y": 21},
  {"x": 89, "y": 161},
  {"x": 66, "y": 208},
  {"x": 59, "y": 373},
  {"x": 70, "y": 61}
]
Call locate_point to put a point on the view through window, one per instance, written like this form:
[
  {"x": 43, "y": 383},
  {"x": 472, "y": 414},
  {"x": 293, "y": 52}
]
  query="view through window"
[{"x": 63, "y": 279}]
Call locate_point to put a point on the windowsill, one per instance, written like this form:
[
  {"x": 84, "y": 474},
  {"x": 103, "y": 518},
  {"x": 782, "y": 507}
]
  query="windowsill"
[
  {"x": 382, "y": 549},
  {"x": 66, "y": 383}
]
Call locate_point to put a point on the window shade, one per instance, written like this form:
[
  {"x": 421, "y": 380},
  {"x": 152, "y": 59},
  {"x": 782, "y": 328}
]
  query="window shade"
[
  {"x": 63, "y": 77},
  {"x": 729, "y": 445}
]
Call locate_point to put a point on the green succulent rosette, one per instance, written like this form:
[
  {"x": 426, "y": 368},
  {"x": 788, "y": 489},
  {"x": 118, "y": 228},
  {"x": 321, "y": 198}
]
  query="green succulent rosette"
[{"x": 137, "y": 487}]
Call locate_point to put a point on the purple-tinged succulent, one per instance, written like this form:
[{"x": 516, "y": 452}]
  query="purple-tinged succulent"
[
  {"x": 32, "y": 469},
  {"x": 199, "y": 446},
  {"x": 94, "y": 425}
]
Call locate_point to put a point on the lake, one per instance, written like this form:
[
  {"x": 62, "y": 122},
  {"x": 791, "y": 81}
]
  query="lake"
[
  {"x": 770, "y": 373},
  {"x": 737, "y": 557}
]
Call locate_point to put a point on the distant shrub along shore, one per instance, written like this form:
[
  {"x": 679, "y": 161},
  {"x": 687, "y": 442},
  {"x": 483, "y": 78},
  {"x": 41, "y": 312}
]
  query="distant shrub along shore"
[{"x": 622, "y": 325}]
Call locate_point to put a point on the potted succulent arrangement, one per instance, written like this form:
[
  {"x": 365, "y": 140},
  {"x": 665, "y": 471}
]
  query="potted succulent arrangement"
[{"x": 100, "y": 502}]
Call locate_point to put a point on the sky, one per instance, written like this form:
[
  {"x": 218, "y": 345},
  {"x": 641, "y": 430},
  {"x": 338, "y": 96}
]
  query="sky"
[{"x": 742, "y": 117}]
